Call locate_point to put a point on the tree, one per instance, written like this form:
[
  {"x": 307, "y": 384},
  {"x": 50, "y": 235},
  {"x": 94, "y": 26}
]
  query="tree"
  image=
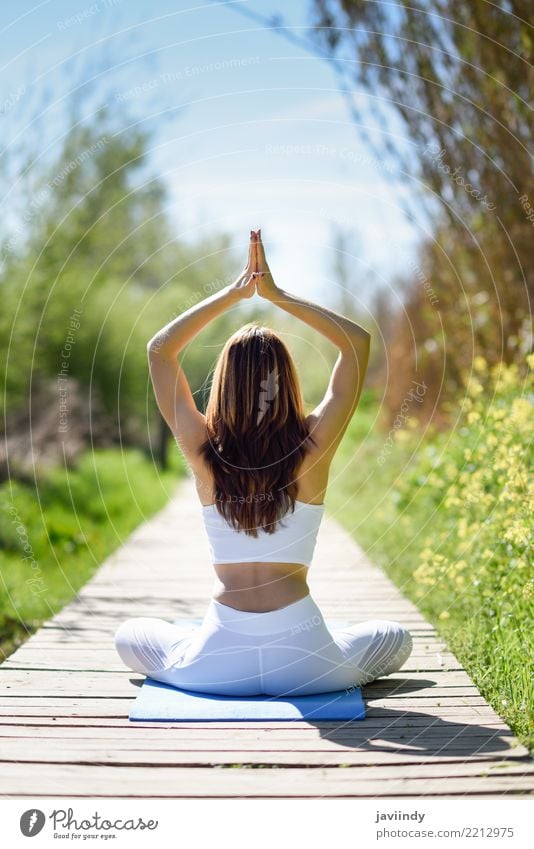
[
  {"x": 458, "y": 76},
  {"x": 88, "y": 276}
]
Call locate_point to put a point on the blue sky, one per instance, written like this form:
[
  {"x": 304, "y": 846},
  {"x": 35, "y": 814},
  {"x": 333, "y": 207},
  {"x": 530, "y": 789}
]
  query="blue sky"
[{"x": 252, "y": 130}]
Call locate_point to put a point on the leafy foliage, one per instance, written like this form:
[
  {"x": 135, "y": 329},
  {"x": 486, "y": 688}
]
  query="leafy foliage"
[
  {"x": 449, "y": 516},
  {"x": 98, "y": 245},
  {"x": 448, "y": 105}
]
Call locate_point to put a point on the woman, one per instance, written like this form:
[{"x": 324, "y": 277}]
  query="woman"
[{"x": 261, "y": 471}]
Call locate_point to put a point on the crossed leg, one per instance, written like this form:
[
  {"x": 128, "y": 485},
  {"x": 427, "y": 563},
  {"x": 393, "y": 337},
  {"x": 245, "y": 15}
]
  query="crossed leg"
[
  {"x": 375, "y": 648},
  {"x": 148, "y": 645},
  {"x": 342, "y": 658}
]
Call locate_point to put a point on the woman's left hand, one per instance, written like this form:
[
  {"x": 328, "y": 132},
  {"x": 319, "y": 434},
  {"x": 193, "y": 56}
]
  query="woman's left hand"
[{"x": 245, "y": 284}]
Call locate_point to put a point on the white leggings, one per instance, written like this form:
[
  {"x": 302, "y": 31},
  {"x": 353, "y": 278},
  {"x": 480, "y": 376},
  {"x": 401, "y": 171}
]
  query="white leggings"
[{"x": 283, "y": 652}]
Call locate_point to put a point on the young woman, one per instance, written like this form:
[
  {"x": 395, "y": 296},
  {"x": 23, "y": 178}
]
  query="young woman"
[{"x": 261, "y": 470}]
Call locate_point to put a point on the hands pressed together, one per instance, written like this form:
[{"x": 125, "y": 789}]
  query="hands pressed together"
[{"x": 256, "y": 276}]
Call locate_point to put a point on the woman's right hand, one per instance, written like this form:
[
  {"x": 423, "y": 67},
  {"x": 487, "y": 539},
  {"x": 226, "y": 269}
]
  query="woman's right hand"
[{"x": 265, "y": 285}]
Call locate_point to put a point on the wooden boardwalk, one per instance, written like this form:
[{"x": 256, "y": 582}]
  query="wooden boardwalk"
[{"x": 66, "y": 695}]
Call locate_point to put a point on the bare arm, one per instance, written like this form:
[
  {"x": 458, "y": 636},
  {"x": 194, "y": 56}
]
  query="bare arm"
[
  {"x": 171, "y": 387},
  {"x": 175, "y": 335},
  {"x": 343, "y": 332},
  {"x": 330, "y": 418}
]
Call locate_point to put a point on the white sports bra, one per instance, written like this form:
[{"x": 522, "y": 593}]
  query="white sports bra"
[{"x": 292, "y": 542}]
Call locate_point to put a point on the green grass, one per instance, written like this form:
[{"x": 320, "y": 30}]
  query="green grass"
[
  {"x": 449, "y": 518},
  {"x": 55, "y": 535}
]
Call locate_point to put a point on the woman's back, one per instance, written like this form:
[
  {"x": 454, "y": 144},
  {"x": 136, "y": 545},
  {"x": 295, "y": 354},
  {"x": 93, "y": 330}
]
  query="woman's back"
[{"x": 267, "y": 585}]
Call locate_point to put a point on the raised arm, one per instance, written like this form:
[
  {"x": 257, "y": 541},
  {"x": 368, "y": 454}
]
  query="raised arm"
[
  {"x": 175, "y": 335},
  {"x": 330, "y": 418},
  {"x": 171, "y": 387}
]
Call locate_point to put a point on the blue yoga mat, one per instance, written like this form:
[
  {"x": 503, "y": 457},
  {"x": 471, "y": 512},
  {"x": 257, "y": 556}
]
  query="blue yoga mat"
[{"x": 160, "y": 702}]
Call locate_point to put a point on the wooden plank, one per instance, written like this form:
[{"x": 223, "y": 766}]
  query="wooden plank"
[
  {"x": 114, "y": 689},
  {"x": 198, "y": 782},
  {"x": 394, "y": 704},
  {"x": 41, "y": 682},
  {"x": 395, "y": 721},
  {"x": 83, "y": 753},
  {"x": 306, "y": 736},
  {"x": 105, "y": 706}
]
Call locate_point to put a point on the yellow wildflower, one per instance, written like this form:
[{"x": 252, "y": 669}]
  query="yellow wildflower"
[
  {"x": 507, "y": 376},
  {"x": 474, "y": 387},
  {"x": 517, "y": 533},
  {"x": 521, "y": 410}
]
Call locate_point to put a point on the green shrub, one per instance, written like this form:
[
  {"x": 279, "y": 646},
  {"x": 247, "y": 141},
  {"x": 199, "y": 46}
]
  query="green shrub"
[{"x": 449, "y": 517}]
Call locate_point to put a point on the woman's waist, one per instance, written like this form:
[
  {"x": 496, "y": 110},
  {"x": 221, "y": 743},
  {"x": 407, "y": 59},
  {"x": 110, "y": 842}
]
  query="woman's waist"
[
  {"x": 299, "y": 615},
  {"x": 260, "y": 587}
]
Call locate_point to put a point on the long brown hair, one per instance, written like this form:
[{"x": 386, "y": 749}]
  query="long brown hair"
[{"x": 257, "y": 435}]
